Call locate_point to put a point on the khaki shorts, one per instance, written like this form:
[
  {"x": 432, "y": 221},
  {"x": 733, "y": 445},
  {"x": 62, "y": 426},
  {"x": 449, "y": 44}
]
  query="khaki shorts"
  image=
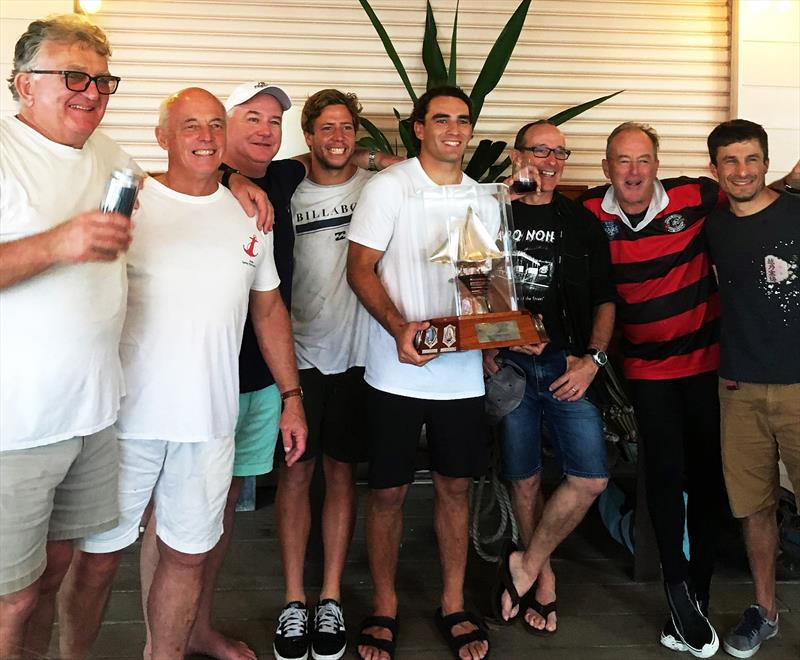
[
  {"x": 760, "y": 423},
  {"x": 65, "y": 490}
]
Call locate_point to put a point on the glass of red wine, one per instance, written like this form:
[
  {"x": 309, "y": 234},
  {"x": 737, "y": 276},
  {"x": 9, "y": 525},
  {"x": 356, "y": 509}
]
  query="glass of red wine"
[{"x": 522, "y": 180}]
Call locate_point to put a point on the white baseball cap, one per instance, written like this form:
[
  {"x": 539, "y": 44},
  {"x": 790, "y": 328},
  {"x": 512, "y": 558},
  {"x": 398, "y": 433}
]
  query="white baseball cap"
[{"x": 248, "y": 90}]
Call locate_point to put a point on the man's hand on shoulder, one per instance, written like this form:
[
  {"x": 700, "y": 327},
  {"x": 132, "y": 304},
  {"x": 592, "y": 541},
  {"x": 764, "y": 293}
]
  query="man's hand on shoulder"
[
  {"x": 294, "y": 430},
  {"x": 404, "y": 334},
  {"x": 253, "y": 200},
  {"x": 90, "y": 236}
]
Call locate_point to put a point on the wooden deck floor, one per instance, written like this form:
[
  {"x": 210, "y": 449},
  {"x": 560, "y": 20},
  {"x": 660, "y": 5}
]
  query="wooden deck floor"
[{"x": 604, "y": 615}]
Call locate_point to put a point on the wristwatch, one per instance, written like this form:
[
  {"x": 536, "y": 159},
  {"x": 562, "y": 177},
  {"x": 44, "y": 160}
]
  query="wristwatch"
[
  {"x": 372, "y": 166},
  {"x": 288, "y": 394},
  {"x": 598, "y": 357},
  {"x": 791, "y": 189}
]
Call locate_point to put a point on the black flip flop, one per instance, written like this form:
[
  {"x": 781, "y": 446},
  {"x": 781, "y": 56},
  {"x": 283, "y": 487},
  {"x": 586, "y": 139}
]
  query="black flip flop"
[
  {"x": 504, "y": 582},
  {"x": 529, "y": 602},
  {"x": 386, "y": 645},
  {"x": 457, "y": 642}
]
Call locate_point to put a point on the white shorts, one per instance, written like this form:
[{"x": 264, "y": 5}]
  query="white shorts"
[{"x": 188, "y": 482}]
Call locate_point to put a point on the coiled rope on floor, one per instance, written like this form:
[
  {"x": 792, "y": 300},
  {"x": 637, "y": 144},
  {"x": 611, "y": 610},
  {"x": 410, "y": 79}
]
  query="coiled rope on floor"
[{"x": 482, "y": 508}]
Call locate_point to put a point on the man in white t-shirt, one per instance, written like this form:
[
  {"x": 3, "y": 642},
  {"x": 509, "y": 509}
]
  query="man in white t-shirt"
[
  {"x": 195, "y": 262},
  {"x": 387, "y": 263},
  {"x": 330, "y": 328},
  {"x": 62, "y": 296}
]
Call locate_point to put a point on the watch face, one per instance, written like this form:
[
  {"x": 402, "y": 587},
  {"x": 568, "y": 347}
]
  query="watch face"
[{"x": 600, "y": 358}]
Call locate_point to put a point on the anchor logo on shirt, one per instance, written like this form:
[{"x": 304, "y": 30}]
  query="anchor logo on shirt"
[{"x": 251, "y": 249}]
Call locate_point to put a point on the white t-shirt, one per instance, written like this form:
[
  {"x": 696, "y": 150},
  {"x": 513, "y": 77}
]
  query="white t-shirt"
[
  {"x": 191, "y": 266},
  {"x": 329, "y": 323},
  {"x": 390, "y": 217},
  {"x": 60, "y": 375}
]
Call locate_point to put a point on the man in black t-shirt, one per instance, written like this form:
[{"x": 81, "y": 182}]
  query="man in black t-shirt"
[
  {"x": 756, "y": 249},
  {"x": 562, "y": 273}
]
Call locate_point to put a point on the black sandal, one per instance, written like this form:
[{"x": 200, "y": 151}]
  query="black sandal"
[
  {"x": 385, "y": 645},
  {"x": 504, "y": 582},
  {"x": 529, "y": 602},
  {"x": 457, "y": 642}
]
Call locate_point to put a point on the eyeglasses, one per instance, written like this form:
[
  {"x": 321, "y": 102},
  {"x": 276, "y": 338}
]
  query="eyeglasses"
[
  {"x": 540, "y": 151},
  {"x": 78, "y": 81}
]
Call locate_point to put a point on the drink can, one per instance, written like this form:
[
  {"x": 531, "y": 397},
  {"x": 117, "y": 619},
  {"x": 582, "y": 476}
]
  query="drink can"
[{"x": 120, "y": 193}]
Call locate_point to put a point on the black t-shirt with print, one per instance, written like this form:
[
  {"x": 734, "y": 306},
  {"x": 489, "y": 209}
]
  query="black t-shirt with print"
[
  {"x": 758, "y": 263},
  {"x": 535, "y": 264}
]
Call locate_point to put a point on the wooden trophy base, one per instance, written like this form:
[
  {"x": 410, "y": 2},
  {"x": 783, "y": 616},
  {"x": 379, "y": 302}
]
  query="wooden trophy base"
[{"x": 493, "y": 330}]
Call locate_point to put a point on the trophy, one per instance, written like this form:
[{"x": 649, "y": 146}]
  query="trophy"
[{"x": 468, "y": 227}]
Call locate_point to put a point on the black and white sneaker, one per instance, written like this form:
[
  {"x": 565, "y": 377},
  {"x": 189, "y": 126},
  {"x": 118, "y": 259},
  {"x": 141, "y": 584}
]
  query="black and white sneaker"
[
  {"x": 329, "y": 637},
  {"x": 670, "y": 639},
  {"x": 291, "y": 637},
  {"x": 691, "y": 626}
]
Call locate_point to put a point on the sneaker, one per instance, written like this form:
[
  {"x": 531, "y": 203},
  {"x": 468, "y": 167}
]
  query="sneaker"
[
  {"x": 670, "y": 639},
  {"x": 745, "y": 639},
  {"x": 291, "y": 637},
  {"x": 329, "y": 638},
  {"x": 691, "y": 626}
]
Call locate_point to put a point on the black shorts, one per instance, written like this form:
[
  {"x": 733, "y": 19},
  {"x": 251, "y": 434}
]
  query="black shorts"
[
  {"x": 334, "y": 407},
  {"x": 456, "y": 431}
]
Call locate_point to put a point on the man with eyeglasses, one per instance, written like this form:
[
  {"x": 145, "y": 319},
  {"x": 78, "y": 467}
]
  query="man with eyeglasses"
[
  {"x": 62, "y": 294},
  {"x": 562, "y": 273}
]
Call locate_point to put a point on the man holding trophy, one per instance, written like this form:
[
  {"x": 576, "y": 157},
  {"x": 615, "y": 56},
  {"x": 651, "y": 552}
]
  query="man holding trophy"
[{"x": 393, "y": 239}]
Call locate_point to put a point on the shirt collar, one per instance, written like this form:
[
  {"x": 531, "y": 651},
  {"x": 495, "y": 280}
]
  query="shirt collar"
[{"x": 658, "y": 203}]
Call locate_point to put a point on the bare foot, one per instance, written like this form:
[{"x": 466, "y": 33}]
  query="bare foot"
[
  {"x": 216, "y": 645},
  {"x": 522, "y": 582}
]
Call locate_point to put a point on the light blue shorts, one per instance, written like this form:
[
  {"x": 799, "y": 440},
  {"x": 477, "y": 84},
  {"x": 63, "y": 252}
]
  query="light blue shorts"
[{"x": 256, "y": 431}]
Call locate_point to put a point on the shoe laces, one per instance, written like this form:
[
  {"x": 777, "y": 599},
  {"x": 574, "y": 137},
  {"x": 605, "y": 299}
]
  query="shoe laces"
[
  {"x": 293, "y": 621},
  {"x": 329, "y": 619},
  {"x": 750, "y": 624}
]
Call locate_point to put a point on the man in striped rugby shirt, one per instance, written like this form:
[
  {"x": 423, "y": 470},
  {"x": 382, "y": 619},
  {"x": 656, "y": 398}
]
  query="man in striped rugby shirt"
[{"x": 668, "y": 310}]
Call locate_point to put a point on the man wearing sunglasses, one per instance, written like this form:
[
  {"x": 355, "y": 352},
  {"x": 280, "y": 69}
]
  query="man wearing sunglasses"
[
  {"x": 62, "y": 293},
  {"x": 562, "y": 273}
]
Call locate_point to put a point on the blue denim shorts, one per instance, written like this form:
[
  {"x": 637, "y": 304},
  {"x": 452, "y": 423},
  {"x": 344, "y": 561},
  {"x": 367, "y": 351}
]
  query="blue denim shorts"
[{"x": 576, "y": 427}]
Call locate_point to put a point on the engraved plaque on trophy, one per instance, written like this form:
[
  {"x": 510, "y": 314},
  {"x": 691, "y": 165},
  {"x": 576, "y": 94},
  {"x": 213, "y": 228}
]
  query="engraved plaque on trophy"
[{"x": 468, "y": 230}]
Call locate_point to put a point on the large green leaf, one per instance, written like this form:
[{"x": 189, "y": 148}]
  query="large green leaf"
[
  {"x": 380, "y": 140},
  {"x": 389, "y": 47},
  {"x": 496, "y": 172},
  {"x": 569, "y": 113},
  {"x": 486, "y": 153},
  {"x": 406, "y": 134},
  {"x": 497, "y": 60},
  {"x": 431, "y": 53},
  {"x": 451, "y": 70}
]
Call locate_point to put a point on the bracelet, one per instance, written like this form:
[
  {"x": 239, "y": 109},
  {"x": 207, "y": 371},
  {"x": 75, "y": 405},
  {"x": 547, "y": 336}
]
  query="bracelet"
[
  {"x": 288, "y": 394},
  {"x": 371, "y": 165}
]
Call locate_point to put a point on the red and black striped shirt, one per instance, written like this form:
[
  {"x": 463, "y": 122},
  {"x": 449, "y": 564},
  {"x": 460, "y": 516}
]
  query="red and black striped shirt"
[{"x": 667, "y": 299}]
